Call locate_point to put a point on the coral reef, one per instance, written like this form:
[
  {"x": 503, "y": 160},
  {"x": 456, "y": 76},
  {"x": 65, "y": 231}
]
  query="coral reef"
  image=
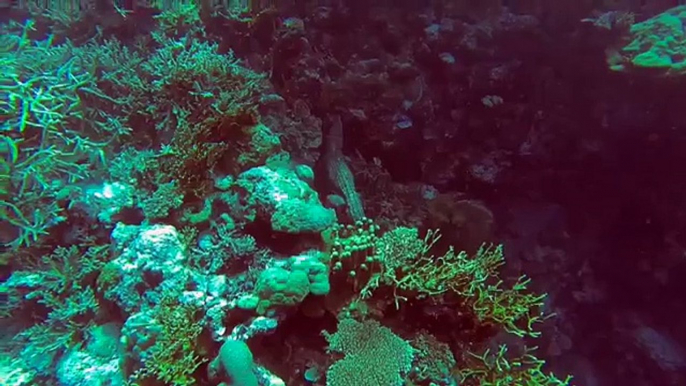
[{"x": 342, "y": 193}]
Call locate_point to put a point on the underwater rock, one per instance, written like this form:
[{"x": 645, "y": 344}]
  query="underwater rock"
[{"x": 282, "y": 199}]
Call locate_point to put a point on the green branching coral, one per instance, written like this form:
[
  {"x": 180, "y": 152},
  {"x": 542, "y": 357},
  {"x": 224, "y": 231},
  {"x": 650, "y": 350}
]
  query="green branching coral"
[
  {"x": 69, "y": 269},
  {"x": 373, "y": 355},
  {"x": 58, "y": 278},
  {"x": 173, "y": 358},
  {"x": 453, "y": 271},
  {"x": 164, "y": 199},
  {"x": 500, "y": 369},
  {"x": 47, "y": 143},
  {"x": 29, "y": 226},
  {"x": 401, "y": 260},
  {"x": 67, "y": 109},
  {"x": 192, "y": 75},
  {"x": 408, "y": 265},
  {"x": 57, "y": 297},
  {"x": 204, "y": 100},
  {"x": 476, "y": 279},
  {"x": 514, "y": 308},
  {"x": 182, "y": 18},
  {"x": 189, "y": 157}
]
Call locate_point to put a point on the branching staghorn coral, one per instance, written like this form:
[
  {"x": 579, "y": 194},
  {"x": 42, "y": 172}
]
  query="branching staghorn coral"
[
  {"x": 181, "y": 19},
  {"x": 173, "y": 356},
  {"x": 31, "y": 226},
  {"x": 500, "y": 369},
  {"x": 60, "y": 283},
  {"x": 399, "y": 259},
  {"x": 510, "y": 307},
  {"x": 47, "y": 144},
  {"x": 475, "y": 278},
  {"x": 189, "y": 74}
]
